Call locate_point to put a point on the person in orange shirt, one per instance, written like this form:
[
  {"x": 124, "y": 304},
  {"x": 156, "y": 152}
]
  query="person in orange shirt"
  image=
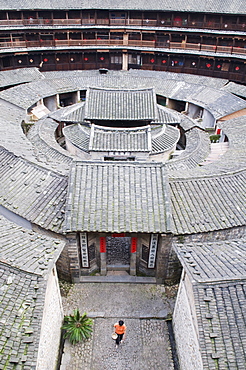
[{"x": 120, "y": 330}]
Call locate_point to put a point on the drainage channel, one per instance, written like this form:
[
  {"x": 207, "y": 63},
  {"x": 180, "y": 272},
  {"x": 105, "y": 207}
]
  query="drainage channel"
[{"x": 173, "y": 345}]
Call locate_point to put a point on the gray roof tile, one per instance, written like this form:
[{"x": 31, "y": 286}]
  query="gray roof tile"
[
  {"x": 219, "y": 6},
  {"x": 42, "y": 192},
  {"x": 120, "y": 105},
  {"x": 117, "y": 198},
  {"x": 206, "y": 204},
  {"x": 25, "y": 249}
]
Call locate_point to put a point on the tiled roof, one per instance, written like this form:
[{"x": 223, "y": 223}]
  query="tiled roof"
[
  {"x": 236, "y": 89},
  {"x": 218, "y": 6},
  {"x": 233, "y": 160},
  {"x": 21, "y": 311},
  {"x": 78, "y": 135},
  {"x": 142, "y": 139},
  {"x": 166, "y": 115},
  {"x": 120, "y": 197},
  {"x": 196, "y": 150},
  {"x": 206, "y": 204},
  {"x": 74, "y": 113},
  {"x": 26, "y": 249},
  {"x": 18, "y": 76},
  {"x": 218, "y": 272},
  {"x": 165, "y": 140},
  {"x": 42, "y": 136},
  {"x": 32, "y": 192},
  {"x": 195, "y": 89},
  {"x": 120, "y": 105},
  {"x": 26, "y": 257},
  {"x": 106, "y": 139},
  {"x": 220, "y": 311},
  {"x": 214, "y": 261}
]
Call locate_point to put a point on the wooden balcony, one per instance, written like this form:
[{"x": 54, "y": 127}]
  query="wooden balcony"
[
  {"x": 132, "y": 43},
  {"x": 145, "y": 22}
]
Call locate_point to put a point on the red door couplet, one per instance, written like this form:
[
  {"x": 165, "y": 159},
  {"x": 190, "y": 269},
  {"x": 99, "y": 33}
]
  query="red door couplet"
[
  {"x": 134, "y": 245},
  {"x": 102, "y": 244}
]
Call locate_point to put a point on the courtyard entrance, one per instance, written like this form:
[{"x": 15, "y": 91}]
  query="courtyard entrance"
[{"x": 118, "y": 253}]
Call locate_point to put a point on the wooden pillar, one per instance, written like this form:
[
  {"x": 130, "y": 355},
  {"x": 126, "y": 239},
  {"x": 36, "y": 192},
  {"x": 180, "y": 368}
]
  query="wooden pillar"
[{"x": 124, "y": 61}]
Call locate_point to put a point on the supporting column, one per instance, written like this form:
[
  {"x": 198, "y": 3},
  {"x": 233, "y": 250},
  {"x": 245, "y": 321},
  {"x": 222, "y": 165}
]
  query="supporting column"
[
  {"x": 103, "y": 257},
  {"x": 163, "y": 252},
  {"x": 124, "y": 61},
  {"x": 133, "y": 256}
]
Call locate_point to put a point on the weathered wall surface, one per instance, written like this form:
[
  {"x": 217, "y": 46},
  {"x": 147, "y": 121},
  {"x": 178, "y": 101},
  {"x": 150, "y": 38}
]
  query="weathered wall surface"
[
  {"x": 51, "y": 325},
  {"x": 184, "y": 326}
]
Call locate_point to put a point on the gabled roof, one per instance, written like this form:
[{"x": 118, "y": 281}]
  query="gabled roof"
[
  {"x": 134, "y": 140},
  {"x": 122, "y": 197},
  {"x": 120, "y": 105}
]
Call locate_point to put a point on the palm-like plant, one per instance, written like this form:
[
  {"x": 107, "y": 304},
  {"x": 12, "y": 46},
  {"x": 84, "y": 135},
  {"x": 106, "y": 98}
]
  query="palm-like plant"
[{"x": 77, "y": 327}]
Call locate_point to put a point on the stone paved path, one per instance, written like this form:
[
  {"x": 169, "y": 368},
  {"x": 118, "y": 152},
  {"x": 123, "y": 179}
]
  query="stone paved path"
[{"x": 143, "y": 307}]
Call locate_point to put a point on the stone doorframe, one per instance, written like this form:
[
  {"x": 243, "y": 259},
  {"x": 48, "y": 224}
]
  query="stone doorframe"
[{"x": 103, "y": 255}]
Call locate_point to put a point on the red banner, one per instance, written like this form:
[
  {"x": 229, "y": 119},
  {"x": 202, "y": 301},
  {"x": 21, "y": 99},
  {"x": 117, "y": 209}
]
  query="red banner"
[
  {"x": 102, "y": 244},
  {"x": 134, "y": 245},
  {"x": 119, "y": 235}
]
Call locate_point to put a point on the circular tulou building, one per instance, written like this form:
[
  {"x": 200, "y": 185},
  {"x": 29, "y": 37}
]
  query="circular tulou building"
[{"x": 122, "y": 144}]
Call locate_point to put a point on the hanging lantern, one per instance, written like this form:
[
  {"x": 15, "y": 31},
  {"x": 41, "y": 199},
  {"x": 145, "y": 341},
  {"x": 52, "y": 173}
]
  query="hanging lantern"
[
  {"x": 237, "y": 68},
  {"x": 208, "y": 65},
  {"x": 101, "y": 58},
  {"x": 164, "y": 61},
  {"x": 45, "y": 60},
  {"x": 152, "y": 60},
  {"x": 86, "y": 59}
]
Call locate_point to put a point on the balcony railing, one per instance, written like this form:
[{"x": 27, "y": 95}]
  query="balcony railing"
[
  {"x": 134, "y": 43},
  {"x": 123, "y": 22}
]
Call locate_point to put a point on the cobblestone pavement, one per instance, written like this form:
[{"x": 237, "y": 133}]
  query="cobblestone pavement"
[{"x": 143, "y": 307}]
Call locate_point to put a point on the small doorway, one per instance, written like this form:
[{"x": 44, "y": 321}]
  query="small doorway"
[{"x": 118, "y": 253}]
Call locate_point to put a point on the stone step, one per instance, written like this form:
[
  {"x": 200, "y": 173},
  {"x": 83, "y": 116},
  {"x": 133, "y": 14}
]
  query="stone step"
[{"x": 118, "y": 279}]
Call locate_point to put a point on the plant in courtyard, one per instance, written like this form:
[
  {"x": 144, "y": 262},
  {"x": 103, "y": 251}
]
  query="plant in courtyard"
[
  {"x": 77, "y": 327},
  {"x": 214, "y": 138}
]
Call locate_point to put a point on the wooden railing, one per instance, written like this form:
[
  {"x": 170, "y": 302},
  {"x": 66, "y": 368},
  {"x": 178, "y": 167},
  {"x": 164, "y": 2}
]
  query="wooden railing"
[
  {"x": 122, "y": 22},
  {"x": 135, "y": 43}
]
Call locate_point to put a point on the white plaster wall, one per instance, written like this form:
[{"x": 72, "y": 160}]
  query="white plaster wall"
[
  {"x": 208, "y": 119},
  {"x": 185, "y": 332},
  {"x": 51, "y": 325},
  {"x": 194, "y": 110}
]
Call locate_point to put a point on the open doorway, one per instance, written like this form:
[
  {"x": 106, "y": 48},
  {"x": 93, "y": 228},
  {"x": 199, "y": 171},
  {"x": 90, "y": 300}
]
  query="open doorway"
[{"x": 118, "y": 253}]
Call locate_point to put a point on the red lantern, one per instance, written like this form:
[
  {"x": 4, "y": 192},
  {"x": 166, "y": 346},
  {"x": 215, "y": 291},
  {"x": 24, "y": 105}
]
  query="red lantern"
[
  {"x": 164, "y": 61},
  {"x": 45, "y": 60},
  {"x": 102, "y": 58},
  {"x": 208, "y": 65},
  {"x": 175, "y": 62},
  {"x": 152, "y": 60},
  {"x": 237, "y": 68},
  {"x": 218, "y": 66},
  {"x": 85, "y": 59}
]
